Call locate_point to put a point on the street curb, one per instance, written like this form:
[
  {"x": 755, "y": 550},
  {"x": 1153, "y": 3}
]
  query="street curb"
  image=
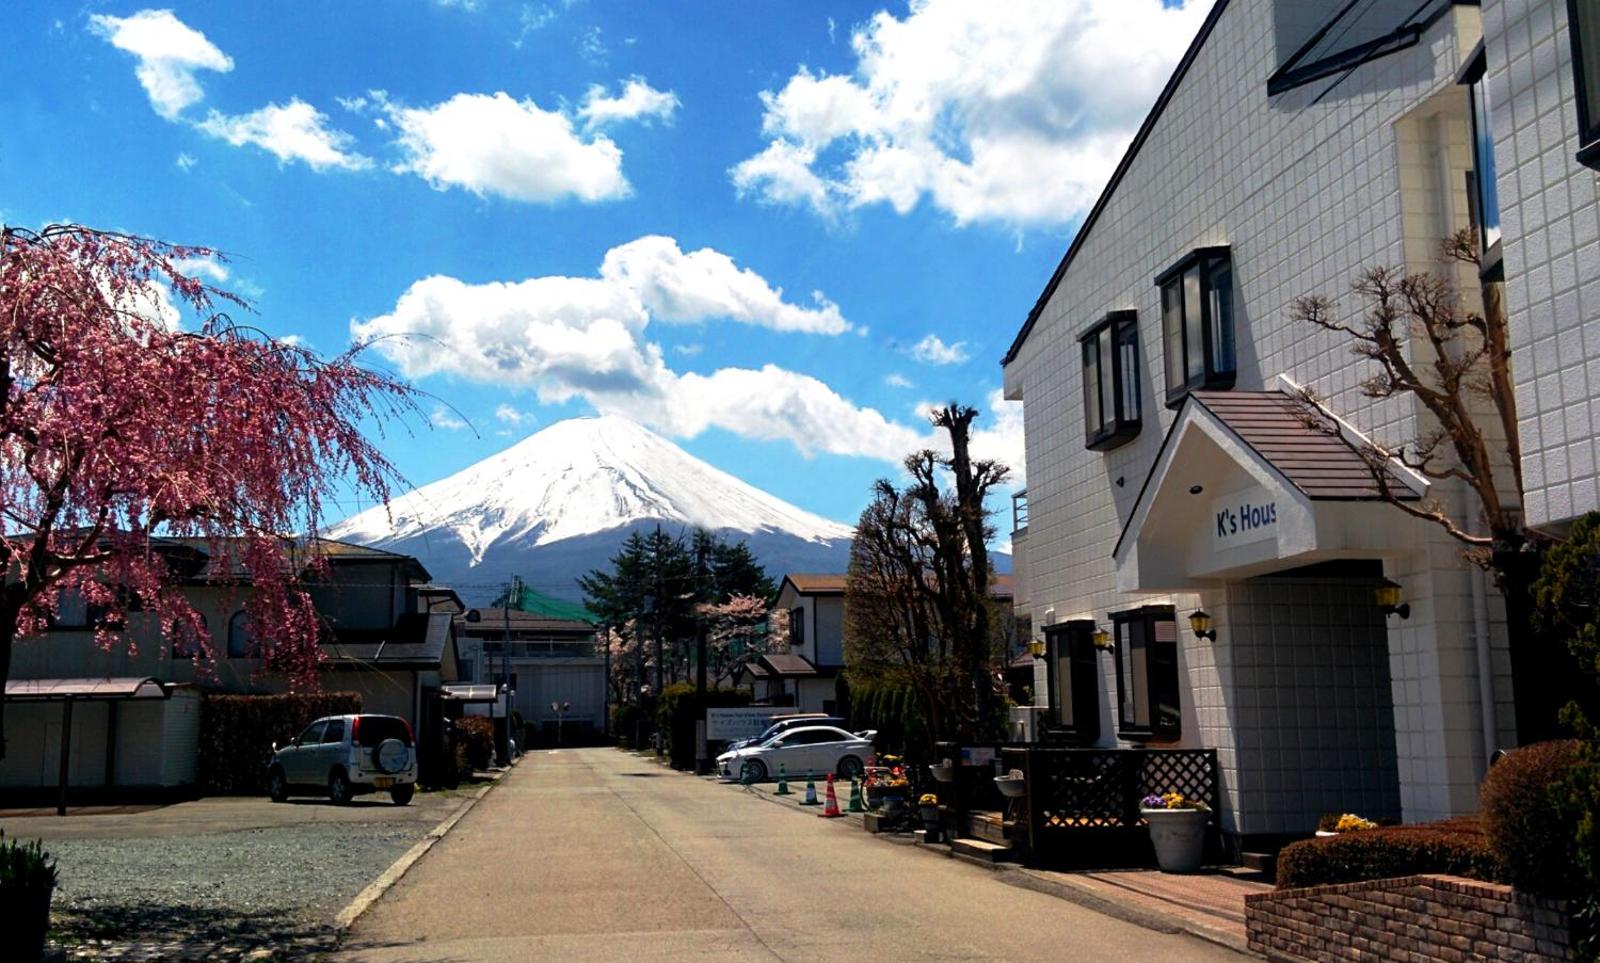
[{"x": 397, "y": 869}]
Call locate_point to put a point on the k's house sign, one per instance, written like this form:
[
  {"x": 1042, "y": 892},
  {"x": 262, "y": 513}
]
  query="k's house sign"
[{"x": 1244, "y": 517}]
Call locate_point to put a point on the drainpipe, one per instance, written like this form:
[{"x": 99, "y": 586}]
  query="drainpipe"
[{"x": 1480, "y": 631}]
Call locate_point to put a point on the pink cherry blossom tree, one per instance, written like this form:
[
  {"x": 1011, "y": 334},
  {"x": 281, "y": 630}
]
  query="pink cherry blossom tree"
[
  {"x": 740, "y": 629},
  {"x": 127, "y": 439}
]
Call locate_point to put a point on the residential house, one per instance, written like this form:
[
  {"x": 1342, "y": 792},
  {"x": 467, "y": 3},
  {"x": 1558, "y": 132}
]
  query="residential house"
[
  {"x": 136, "y": 723},
  {"x": 1208, "y": 566},
  {"x": 547, "y": 660}
]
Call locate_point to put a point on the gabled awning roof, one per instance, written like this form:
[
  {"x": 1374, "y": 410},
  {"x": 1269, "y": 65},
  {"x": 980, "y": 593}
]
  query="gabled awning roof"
[
  {"x": 1248, "y": 482},
  {"x": 58, "y": 690}
]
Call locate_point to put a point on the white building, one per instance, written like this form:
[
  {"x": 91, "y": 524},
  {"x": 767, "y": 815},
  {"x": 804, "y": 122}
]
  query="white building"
[{"x": 1297, "y": 144}]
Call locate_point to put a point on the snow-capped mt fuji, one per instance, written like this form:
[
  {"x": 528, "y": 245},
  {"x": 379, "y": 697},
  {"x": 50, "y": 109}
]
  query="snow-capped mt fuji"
[{"x": 558, "y": 503}]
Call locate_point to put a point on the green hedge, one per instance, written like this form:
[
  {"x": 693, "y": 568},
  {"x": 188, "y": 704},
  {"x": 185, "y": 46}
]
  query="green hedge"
[
  {"x": 1528, "y": 819},
  {"x": 681, "y": 707},
  {"x": 1456, "y": 847},
  {"x": 475, "y": 734},
  {"x": 237, "y": 733}
]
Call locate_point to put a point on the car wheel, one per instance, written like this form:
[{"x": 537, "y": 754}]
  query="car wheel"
[
  {"x": 339, "y": 788},
  {"x": 277, "y": 786},
  {"x": 850, "y": 768},
  {"x": 753, "y": 770},
  {"x": 402, "y": 794}
]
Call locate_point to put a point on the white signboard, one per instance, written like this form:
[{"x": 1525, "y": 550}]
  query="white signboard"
[
  {"x": 1244, "y": 517},
  {"x": 726, "y": 725}
]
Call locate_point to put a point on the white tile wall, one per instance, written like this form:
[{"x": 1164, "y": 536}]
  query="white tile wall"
[
  {"x": 1308, "y": 188},
  {"x": 1550, "y": 211}
]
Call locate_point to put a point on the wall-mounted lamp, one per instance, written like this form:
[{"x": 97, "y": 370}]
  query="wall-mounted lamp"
[
  {"x": 1200, "y": 625},
  {"x": 1388, "y": 593},
  {"x": 1036, "y": 647},
  {"x": 1102, "y": 640}
]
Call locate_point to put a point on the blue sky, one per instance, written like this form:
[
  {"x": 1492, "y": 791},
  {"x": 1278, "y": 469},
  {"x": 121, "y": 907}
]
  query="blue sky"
[{"x": 736, "y": 223}]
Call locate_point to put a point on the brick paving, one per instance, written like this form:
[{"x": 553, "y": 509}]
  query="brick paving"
[{"x": 1211, "y": 901}]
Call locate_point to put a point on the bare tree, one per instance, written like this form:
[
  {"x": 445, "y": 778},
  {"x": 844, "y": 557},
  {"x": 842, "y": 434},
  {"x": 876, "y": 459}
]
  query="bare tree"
[
  {"x": 1456, "y": 363},
  {"x": 917, "y": 608}
]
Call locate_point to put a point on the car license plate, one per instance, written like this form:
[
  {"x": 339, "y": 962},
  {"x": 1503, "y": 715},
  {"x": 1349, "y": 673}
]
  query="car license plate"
[{"x": 383, "y": 782}]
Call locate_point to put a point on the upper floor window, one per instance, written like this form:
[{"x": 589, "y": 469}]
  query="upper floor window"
[
  {"x": 1583, "y": 23},
  {"x": 1483, "y": 195},
  {"x": 1111, "y": 381},
  {"x": 797, "y": 627},
  {"x": 241, "y": 637},
  {"x": 1197, "y": 323},
  {"x": 1147, "y": 673},
  {"x": 186, "y": 638}
]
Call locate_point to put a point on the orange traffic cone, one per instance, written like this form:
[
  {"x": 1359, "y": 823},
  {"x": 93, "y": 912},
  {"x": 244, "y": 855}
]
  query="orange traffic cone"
[{"x": 831, "y": 810}]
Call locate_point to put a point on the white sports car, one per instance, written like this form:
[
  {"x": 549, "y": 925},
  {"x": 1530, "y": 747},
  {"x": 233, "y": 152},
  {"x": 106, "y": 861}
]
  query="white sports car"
[{"x": 808, "y": 749}]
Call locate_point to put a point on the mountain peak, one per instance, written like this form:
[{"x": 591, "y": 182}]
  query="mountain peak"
[{"x": 576, "y": 479}]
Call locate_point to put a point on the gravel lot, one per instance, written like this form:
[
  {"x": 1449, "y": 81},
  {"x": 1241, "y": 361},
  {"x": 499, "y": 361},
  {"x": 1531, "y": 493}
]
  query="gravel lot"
[{"x": 277, "y": 887}]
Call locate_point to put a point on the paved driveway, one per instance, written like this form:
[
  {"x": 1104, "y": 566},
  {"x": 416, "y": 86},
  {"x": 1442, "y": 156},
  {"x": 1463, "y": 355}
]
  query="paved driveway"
[{"x": 594, "y": 854}]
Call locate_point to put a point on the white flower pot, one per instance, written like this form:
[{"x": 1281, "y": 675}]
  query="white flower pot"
[{"x": 1179, "y": 837}]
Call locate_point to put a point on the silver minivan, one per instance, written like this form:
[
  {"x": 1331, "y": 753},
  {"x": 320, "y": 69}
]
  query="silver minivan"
[{"x": 347, "y": 756}]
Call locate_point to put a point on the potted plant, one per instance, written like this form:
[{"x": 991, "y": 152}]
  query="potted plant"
[
  {"x": 1012, "y": 785},
  {"x": 1177, "y": 830},
  {"x": 27, "y": 880},
  {"x": 887, "y": 785},
  {"x": 928, "y": 807},
  {"x": 1332, "y": 824}
]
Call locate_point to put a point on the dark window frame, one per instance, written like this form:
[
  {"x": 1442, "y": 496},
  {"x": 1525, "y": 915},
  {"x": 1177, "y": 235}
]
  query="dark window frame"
[
  {"x": 1472, "y": 77},
  {"x": 1118, "y": 331},
  {"x": 797, "y": 626},
  {"x": 1161, "y": 682},
  {"x": 1218, "y": 363},
  {"x": 1076, "y": 637},
  {"x": 1588, "y": 113},
  {"x": 240, "y": 624},
  {"x": 189, "y": 648}
]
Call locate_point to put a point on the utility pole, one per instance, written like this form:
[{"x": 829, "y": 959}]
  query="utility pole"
[
  {"x": 513, "y": 591},
  {"x": 655, "y": 561},
  {"x": 605, "y": 689},
  {"x": 702, "y": 763}
]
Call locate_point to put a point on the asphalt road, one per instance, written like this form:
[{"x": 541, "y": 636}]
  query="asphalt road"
[{"x": 594, "y": 854}]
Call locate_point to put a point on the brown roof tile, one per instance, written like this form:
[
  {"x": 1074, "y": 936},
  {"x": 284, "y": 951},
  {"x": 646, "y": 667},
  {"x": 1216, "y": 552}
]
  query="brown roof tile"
[{"x": 1318, "y": 462}]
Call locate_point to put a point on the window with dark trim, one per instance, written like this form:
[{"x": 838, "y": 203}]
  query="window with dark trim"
[
  {"x": 241, "y": 637},
  {"x": 797, "y": 626},
  {"x": 1483, "y": 191},
  {"x": 1111, "y": 381},
  {"x": 186, "y": 639},
  {"x": 1583, "y": 24},
  {"x": 1147, "y": 673},
  {"x": 1197, "y": 323},
  {"x": 1074, "y": 673}
]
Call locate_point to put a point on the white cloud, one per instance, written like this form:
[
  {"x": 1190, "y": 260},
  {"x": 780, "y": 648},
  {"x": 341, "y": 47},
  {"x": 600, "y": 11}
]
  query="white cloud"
[
  {"x": 169, "y": 52},
  {"x": 508, "y": 415},
  {"x": 782, "y": 174},
  {"x": 185, "y": 162},
  {"x": 637, "y": 101},
  {"x": 202, "y": 267},
  {"x": 705, "y": 284},
  {"x": 897, "y": 380},
  {"x": 295, "y": 131},
  {"x": 592, "y": 47},
  {"x": 443, "y": 417},
  {"x": 533, "y": 17},
  {"x": 585, "y": 338},
  {"x": 998, "y": 436},
  {"x": 932, "y": 350},
  {"x": 688, "y": 350},
  {"x": 493, "y": 144},
  {"x": 1013, "y": 112}
]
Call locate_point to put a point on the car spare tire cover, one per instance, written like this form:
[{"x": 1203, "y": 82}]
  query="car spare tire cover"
[{"x": 392, "y": 755}]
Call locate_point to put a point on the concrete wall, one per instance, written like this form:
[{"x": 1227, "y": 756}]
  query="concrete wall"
[
  {"x": 1308, "y": 188},
  {"x": 1550, "y": 212}
]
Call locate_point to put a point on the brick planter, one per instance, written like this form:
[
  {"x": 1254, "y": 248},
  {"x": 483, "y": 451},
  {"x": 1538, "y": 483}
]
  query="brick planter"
[{"x": 1418, "y": 918}]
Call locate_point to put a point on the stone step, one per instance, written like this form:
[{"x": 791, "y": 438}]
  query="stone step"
[
  {"x": 1264, "y": 863},
  {"x": 989, "y": 827},
  {"x": 979, "y": 849}
]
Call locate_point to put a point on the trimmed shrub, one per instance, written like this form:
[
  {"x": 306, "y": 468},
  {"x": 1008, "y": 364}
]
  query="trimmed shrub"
[
  {"x": 1456, "y": 847},
  {"x": 625, "y": 719},
  {"x": 237, "y": 733},
  {"x": 475, "y": 734},
  {"x": 1528, "y": 821},
  {"x": 681, "y": 707}
]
